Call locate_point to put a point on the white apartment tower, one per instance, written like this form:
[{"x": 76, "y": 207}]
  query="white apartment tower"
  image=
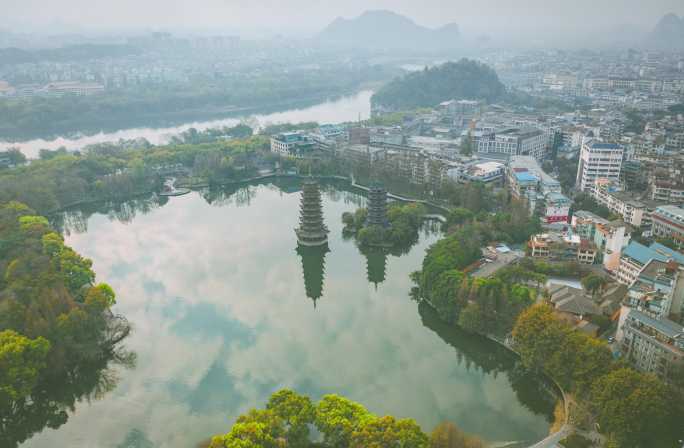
[{"x": 598, "y": 161}]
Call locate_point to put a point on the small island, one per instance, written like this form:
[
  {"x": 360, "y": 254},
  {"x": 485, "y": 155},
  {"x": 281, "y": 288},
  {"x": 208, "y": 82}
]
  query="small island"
[{"x": 390, "y": 227}]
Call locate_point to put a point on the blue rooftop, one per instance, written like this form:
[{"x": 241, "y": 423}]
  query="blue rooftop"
[
  {"x": 668, "y": 253},
  {"x": 657, "y": 251},
  {"x": 524, "y": 176}
]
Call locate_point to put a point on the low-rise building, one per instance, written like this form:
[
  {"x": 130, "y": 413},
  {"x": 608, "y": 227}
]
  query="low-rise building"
[
  {"x": 528, "y": 181},
  {"x": 514, "y": 142},
  {"x": 73, "y": 88},
  {"x": 386, "y": 136},
  {"x": 292, "y": 144},
  {"x": 572, "y": 301},
  {"x": 636, "y": 256},
  {"x": 483, "y": 172},
  {"x": 556, "y": 208},
  {"x": 610, "y": 238},
  {"x": 610, "y": 195},
  {"x": 562, "y": 247},
  {"x": 668, "y": 222},
  {"x": 363, "y": 154},
  {"x": 658, "y": 290}
]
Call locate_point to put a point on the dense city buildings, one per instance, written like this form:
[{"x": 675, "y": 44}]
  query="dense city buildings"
[{"x": 528, "y": 181}]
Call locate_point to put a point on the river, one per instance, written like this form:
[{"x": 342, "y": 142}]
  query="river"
[
  {"x": 348, "y": 108},
  {"x": 226, "y": 311}
]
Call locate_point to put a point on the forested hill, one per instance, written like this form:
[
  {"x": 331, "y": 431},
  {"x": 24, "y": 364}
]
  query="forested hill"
[{"x": 465, "y": 79}]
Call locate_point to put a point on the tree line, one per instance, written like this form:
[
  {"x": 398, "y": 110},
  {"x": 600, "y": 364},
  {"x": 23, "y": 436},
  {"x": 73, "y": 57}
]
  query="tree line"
[
  {"x": 633, "y": 409},
  {"x": 116, "y": 171},
  {"x": 57, "y": 333},
  {"x": 289, "y": 417},
  {"x": 205, "y": 96}
]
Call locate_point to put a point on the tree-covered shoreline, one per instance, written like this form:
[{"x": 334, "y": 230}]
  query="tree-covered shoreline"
[
  {"x": 56, "y": 327},
  {"x": 173, "y": 103},
  {"x": 633, "y": 409}
]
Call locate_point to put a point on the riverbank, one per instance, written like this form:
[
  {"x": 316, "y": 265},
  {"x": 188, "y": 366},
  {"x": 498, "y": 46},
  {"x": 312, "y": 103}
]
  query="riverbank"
[
  {"x": 564, "y": 428},
  {"x": 334, "y": 107}
]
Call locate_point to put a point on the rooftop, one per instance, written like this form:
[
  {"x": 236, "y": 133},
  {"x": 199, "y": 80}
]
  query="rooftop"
[
  {"x": 671, "y": 211},
  {"x": 665, "y": 326},
  {"x": 656, "y": 251},
  {"x": 599, "y": 145},
  {"x": 525, "y": 176}
]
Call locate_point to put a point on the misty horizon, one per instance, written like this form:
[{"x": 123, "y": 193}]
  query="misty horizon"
[{"x": 525, "y": 22}]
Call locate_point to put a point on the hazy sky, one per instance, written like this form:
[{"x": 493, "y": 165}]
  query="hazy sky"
[{"x": 307, "y": 16}]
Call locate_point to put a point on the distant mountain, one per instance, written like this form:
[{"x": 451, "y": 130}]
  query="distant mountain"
[
  {"x": 668, "y": 34},
  {"x": 388, "y": 30},
  {"x": 465, "y": 79}
]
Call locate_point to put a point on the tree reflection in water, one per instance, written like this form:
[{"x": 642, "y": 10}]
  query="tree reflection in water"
[
  {"x": 534, "y": 392},
  {"x": 57, "y": 394}
]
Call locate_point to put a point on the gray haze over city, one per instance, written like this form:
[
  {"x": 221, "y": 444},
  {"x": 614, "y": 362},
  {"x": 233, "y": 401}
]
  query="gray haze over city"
[{"x": 524, "y": 21}]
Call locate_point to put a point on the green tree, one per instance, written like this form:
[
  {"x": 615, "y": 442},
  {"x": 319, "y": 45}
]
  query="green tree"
[
  {"x": 448, "y": 435},
  {"x": 594, "y": 283},
  {"x": 257, "y": 429},
  {"x": 21, "y": 360},
  {"x": 337, "y": 418},
  {"x": 467, "y": 146},
  {"x": 472, "y": 319},
  {"x": 297, "y": 412},
  {"x": 388, "y": 432},
  {"x": 15, "y": 156},
  {"x": 635, "y": 409},
  {"x": 537, "y": 335}
]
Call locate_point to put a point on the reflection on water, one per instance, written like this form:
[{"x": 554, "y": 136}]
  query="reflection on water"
[
  {"x": 220, "y": 303},
  {"x": 57, "y": 394},
  {"x": 313, "y": 269},
  {"x": 376, "y": 265}
]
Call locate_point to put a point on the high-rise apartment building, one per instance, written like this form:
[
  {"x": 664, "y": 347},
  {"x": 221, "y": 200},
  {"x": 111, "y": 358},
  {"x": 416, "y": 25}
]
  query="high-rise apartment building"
[{"x": 598, "y": 161}]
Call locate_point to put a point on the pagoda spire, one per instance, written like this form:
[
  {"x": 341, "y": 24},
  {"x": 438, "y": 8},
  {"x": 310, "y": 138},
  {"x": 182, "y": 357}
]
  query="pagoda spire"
[
  {"x": 312, "y": 230},
  {"x": 313, "y": 269},
  {"x": 376, "y": 266},
  {"x": 377, "y": 205}
]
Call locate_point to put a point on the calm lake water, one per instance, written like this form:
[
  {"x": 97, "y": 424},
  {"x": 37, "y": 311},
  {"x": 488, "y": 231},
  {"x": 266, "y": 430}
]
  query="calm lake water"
[
  {"x": 218, "y": 298},
  {"x": 348, "y": 108}
]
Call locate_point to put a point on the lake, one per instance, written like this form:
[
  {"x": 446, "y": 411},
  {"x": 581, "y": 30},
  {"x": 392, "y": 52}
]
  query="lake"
[
  {"x": 347, "y": 108},
  {"x": 222, "y": 309}
]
